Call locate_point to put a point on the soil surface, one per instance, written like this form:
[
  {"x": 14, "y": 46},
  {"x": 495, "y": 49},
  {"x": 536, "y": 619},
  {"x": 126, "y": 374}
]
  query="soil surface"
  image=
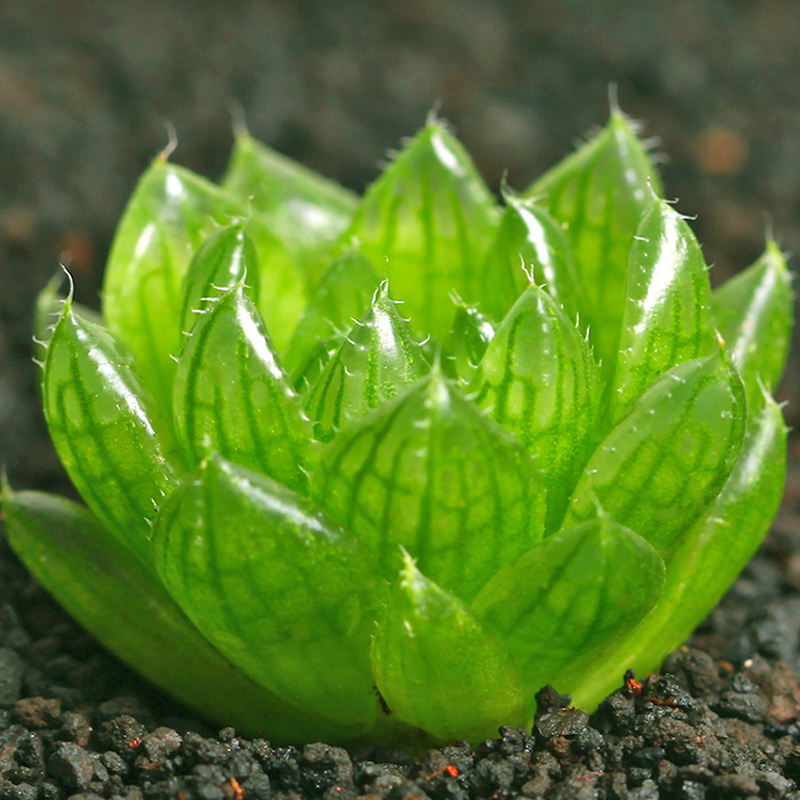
[{"x": 85, "y": 88}]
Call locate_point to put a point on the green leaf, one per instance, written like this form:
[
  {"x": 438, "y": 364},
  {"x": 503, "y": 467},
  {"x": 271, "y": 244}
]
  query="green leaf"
[
  {"x": 342, "y": 295},
  {"x": 429, "y": 220},
  {"x": 121, "y": 604},
  {"x": 308, "y": 212},
  {"x": 600, "y": 194},
  {"x": 539, "y": 381},
  {"x": 372, "y": 364},
  {"x": 221, "y": 262},
  {"x": 667, "y": 317},
  {"x": 285, "y": 594},
  {"x": 530, "y": 244},
  {"x": 438, "y": 668},
  {"x": 708, "y": 560},
  {"x": 429, "y": 471},
  {"x": 565, "y": 602},
  {"x": 232, "y": 394},
  {"x": 107, "y": 429},
  {"x": 466, "y": 343},
  {"x": 659, "y": 469},
  {"x": 171, "y": 212},
  {"x": 753, "y": 311}
]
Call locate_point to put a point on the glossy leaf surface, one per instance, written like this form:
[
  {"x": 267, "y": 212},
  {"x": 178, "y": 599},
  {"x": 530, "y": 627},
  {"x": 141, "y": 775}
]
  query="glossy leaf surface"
[
  {"x": 431, "y": 472},
  {"x": 539, "y": 381},
  {"x": 709, "y": 559},
  {"x": 667, "y": 318},
  {"x": 438, "y": 668},
  {"x": 122, "y": 605},
  {"x": 428, "y": 221},
  {"x": 753, "y": 311},
  {"x": 599, "y": 194},
  {"x": 374, "y": 362},
  {"x": 566, "y": 601},
  {"x": 466, "y": 343},
  {"x": 232, "y": 394},
  {"x": 242, "y": 556},
  {"x": 107, "y": 429},
  {"x": 172, "y": 211},
  {"x": 668, "y": 458}
]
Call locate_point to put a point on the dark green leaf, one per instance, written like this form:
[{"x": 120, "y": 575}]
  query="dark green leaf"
[
  {"x": 232, "y": 394},
  {"x": 372, "y": 364},
  {"x": 438, "y": 668},
  {"x": 659, "y": 469},
  {"x": 564, "y": 603},
  {"x": 171, "y": 212},
  {"x": 466, "y": 343},
  {"x": 530, "y": 244},
  {"x": 107, "y": 430},
  {"x": 285, "y": 594},
  {"x": 428, "y": 221},
  {"x": 124, "y": 607},
  {"x": 753, "y": 311},
  {"x": 667, "y": 317},
  {"x": 538, "y": 380},
  {"x": 429, "y": 471},
  {"x": 600, "y": 194},
  {"x": 708, "y": 560}
]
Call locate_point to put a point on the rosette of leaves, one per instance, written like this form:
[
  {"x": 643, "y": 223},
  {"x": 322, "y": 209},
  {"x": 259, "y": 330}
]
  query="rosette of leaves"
[{"x": 382, "y": 468}]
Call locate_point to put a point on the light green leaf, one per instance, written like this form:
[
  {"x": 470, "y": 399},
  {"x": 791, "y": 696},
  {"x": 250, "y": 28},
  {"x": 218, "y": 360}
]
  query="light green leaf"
[
  {"x": 438, "y": 668},
  {"x": 565, "y": 602},
  {"x": 373, "y": 363},
  {"x": 466, "y": 343},
  {"x": 306, "y": 211},
  {"x": 107, "y": 429},
  {"x": 753, "y": 311},
  {"x": 663, "y": 464},
  {"x": 667, "y": 317},
  {"x": 428, "y": 220},
  {"x": 539, "y": 381},
  {"x": 429, "y": 471},
  {"x": 708, "y": 560},
  {"x": 232, "y": 394},
  {"x": 171, "y": 212},
  {"x": 285, "y": 594},
  {"x": 530, "y": 244},
  {"x": 119, "y": 602},
  {"x": 342, "y": 296},
  {"x": 220, "y": 262},
  {"x": 600, "y": 194}
]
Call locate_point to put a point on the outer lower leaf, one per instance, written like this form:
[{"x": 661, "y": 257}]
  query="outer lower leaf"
[
  {"x": 659, "y": 469},
  {"x": 342, "y": 295},
  {"x": 232, "y": 394},
  {"x": 307, "y": 211},
  {"x": 169, "y": 215},
  {"x": 107, "y": 429},
  {"x": 568, "y": 600},
  {"x": 282, "y": 592},
  {"x": 466, "y": 343},
  {"x": 372, "y": 364},
  {"x": 121, "y": 604},
  {"x": 668, "y": 315},
  {"x": 753, "y": 311},
  {"x": 530, "y": 244},
  {"x": 538, "y": 380},
  {"x": 429, "y": 471},
  {"x": 429, "y": 219},
  {"x": 707, "y": 561},
  {"x": 221, "y": 262},
  {"x": 599, "y": 194},
  {"x": 438, "y": 668}
]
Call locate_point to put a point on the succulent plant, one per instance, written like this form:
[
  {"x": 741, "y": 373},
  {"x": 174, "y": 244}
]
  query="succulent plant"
[{"x": 313, "y": 512}]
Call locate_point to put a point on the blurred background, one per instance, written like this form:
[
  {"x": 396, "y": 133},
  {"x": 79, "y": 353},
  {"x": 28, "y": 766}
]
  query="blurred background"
[{"x": 86, "y": 87}]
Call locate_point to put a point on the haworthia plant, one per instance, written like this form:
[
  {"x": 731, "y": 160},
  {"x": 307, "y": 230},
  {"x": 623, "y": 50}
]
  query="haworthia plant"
[{"x": 381, "y": 469}]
